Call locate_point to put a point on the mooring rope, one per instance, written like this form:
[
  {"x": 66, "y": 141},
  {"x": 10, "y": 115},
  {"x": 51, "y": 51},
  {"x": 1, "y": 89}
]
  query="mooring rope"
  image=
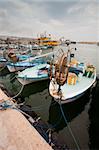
[
  {"x": 6, "y": 104},
  {"x": 13, "y": 78},
  {"x": 3, "y": 68},
  {"x": 69, "y": 128},
  {"x": 18, "y": 93},
  {"x": 20, "y": 89},
  {"x": 61, "y": 70}
]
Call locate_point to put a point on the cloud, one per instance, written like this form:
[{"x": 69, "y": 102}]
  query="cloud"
[{"x": 75, "y": 19}]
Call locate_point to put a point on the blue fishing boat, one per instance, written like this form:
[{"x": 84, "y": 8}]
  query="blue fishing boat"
[
  {"x": 29, "y": 62},
  {"x": 23, "y": 57},
  {"x": 13, "y": 67}
]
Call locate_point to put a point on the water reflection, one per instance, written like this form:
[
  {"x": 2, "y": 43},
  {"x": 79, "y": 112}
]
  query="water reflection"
[
  {"x": 35, "y": 87},
  {"x": 4, "y": 71},
  {"x": 71, "y": 110},
  {"x": 94, "y": 119}
]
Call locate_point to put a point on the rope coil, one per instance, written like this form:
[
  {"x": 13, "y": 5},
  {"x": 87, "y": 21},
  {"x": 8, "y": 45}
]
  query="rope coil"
[{"x": 7, "y": 104}]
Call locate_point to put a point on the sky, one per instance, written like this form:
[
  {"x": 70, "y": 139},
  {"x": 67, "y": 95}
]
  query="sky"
[{"x": 72, "y": 19}]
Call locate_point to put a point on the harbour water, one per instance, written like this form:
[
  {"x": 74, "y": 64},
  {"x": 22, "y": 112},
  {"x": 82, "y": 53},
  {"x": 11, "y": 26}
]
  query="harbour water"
[{"x": 82, "y": 114}]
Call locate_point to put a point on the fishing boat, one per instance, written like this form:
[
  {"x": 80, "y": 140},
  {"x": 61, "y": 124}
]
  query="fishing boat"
[
  {"x": 13, "y": 67},
  {"x": 37, "y": 73},
  {"x": 18, "y": 63},
  {"x": 70, "y": 78},
  {"x": 3, "y": 62},
  {"x": 36, "y": 47},
  {"x": 40, "y": 47},
  {"x": 46, "y": 40}
]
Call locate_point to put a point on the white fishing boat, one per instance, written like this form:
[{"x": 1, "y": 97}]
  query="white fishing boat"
[
  {"x": 70, "y": 80},
  {"x": 34, "y": 74}
]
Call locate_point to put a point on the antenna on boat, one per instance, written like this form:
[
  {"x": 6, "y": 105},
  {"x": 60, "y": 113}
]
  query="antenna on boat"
[
  {"x": 69, "y": 51},
  {"x": 51, "y": 67}
]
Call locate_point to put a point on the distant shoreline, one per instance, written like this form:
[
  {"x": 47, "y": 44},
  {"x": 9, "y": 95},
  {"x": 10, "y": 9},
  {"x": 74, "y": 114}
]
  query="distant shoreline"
[
  {"x": 14, "y": 39},
  {"x": 88, "y": 43}
]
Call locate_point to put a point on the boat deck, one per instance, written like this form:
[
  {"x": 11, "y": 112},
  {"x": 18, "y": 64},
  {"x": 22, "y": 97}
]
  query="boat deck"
[{"x": 70, "y": 91}]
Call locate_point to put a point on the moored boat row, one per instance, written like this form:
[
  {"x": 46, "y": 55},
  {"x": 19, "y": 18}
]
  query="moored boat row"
[{"x": 69, "y": 77}]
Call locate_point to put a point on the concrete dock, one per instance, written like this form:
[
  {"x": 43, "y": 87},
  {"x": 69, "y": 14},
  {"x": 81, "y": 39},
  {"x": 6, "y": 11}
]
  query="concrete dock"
[{"x": 16, "y": 133}]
